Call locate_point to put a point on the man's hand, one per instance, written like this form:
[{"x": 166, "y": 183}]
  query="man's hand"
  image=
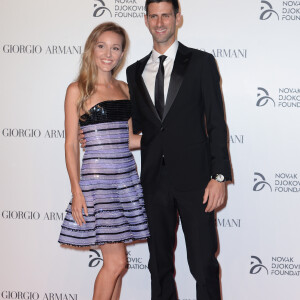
[
  {"x": 81, "y": 139},
  {"x": 214, "y": 194}
]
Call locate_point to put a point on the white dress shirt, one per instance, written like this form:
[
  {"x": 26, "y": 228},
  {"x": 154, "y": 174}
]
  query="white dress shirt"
[{"x": 152, "y": 66}]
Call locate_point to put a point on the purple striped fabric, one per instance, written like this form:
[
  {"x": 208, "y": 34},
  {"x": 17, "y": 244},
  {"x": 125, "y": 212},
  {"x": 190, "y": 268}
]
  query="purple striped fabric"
[{"x": 111, "y": 188}]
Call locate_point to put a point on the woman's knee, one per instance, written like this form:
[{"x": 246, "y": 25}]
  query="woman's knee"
[{"x": 116, "y": 265}]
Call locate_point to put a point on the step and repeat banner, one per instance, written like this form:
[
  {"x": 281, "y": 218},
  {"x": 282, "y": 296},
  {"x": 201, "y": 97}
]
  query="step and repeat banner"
[{"x": 256, "y": 45}]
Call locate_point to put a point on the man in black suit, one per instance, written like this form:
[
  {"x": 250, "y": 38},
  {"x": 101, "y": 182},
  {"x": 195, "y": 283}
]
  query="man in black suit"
[{"x": 178, "y": 107}]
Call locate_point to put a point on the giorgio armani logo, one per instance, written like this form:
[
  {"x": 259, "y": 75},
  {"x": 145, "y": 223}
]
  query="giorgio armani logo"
[
  {"x": 33, "y": 133},
  {"x": 229, "y": 53},
  {"x": 31, "y": 215},
  {"x": 36, "y": 296},
  {"x": 22, "y": 49},
  {"x": 263, "y": 97},
  {"x": 257, "y": 265},
  {"x": 96, "y": 258},
  {"x": 38, "y": 49},
  {"x": 260, "y": 182},
  {"x": 20, "y": 215},
  {"x": 267, "y": 11},
  {"x": 236, "y": 139},
  {"x": 228, "y": 223},
  {"x": 19, "y": 295}
]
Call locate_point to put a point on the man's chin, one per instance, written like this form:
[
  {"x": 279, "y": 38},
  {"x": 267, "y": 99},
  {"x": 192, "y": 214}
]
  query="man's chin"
[{"x": 161, "y": 40}]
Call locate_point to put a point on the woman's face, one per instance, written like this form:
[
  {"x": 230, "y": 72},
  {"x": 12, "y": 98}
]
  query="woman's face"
[{"x": 108, "y": 51}]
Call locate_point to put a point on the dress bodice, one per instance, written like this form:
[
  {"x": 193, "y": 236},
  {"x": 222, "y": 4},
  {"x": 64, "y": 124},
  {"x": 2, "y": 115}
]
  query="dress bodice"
[{"x": 107, "y": 111}]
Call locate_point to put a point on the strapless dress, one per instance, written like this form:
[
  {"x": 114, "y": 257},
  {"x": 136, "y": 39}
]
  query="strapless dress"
[{"x": 109, "y": 181}]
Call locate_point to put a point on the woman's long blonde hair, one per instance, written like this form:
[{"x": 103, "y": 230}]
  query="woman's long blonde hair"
[{"x": 88, "y": 70}]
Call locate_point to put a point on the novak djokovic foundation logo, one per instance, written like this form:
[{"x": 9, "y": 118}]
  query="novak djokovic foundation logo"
[
  {"x": 263, "y": 97},
  {"x": 136, "y": 262},
  {"x": 284, "y": 97},
  {"x": 133, "y": 261},
  {"x": 281, "y": 183},
  {"x": 119, "y": 8},
  {"x": 260, "y": 182},
  {"x": 257, "y": 265},
  {"x": 276, "y": 266},
  {"x": 284, "y": 11},
  {"x": 95, "y": 259},
  {"x": 100, "y": 9},
  {"x": 267, "y": 11}
]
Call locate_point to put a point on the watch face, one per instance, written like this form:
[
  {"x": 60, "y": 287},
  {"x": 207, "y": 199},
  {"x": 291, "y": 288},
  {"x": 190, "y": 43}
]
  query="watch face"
[{"x": 220, "y": 178}]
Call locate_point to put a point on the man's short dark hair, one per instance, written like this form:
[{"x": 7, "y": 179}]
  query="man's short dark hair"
[{"x": 174, "y": 3}]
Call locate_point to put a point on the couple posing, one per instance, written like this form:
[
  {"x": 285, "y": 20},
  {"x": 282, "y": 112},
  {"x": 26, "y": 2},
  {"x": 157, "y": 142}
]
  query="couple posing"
[{"x": 176, "y": 102}]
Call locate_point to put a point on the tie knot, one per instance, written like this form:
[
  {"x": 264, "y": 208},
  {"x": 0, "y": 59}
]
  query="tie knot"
[{"x": 162, "y": 58}]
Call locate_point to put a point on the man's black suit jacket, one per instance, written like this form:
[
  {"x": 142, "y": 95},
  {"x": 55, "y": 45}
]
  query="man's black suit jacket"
[{"x": 191, "y": 138}]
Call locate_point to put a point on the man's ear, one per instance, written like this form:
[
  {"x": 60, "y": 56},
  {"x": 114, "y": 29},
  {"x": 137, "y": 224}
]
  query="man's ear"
[
  {"x": 178, "y": 18},
  {"x": 146, "y": 20}
]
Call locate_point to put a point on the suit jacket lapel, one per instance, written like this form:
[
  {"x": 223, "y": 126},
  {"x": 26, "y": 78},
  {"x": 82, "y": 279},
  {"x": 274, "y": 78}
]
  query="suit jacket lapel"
[
  {"x": 179, "y": 68},
  {"x": 142, "y": 86}
]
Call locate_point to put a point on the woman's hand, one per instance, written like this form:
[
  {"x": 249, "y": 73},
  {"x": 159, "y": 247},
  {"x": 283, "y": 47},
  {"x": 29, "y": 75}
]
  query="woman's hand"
[
  {"x": 78, "y": 202},
  {"x": 81, "y": 139}
]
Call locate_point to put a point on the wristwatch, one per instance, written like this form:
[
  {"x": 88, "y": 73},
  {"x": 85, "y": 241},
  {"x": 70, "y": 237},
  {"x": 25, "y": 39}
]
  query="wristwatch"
[{"x": 218, "y": 177}]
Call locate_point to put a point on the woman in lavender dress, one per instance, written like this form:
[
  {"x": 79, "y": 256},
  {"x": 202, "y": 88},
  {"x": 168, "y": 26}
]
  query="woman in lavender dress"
[{"x": 107, "y": 207}]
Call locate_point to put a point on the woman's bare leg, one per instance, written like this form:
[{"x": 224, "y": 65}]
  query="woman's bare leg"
[
  {"x": 114, "y": 263},
  {"x": 117, "y": 290}
]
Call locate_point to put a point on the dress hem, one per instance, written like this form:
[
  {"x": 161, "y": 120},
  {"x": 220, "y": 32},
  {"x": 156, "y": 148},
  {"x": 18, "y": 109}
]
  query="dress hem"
[{"x": 103, "y": 243}]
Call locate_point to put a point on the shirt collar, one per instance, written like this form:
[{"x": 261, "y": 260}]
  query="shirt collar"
[{"x": 170, "y": 53}]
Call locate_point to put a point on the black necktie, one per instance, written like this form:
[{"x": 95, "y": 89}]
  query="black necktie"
[{"x": 159, "y": 87}]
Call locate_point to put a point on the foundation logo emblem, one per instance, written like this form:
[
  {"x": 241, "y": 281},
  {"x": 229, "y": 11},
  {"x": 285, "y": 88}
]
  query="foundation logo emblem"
[
  {"x": 257, "y": 265},
  {"x": 263, "y": 97},
  {"x": 100, "y": 9},
  {"x": 267, "y": 11},
  {"x": 95, "y": 259},
  {"x": 260, "y": 182}
]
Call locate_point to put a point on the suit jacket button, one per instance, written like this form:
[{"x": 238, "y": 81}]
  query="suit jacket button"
[{"x": 162, "y": 128}]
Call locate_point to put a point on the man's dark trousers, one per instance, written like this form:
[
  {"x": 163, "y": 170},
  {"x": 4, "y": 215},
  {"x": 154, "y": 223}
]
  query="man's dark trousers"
[{"x": 200, "y": 237}]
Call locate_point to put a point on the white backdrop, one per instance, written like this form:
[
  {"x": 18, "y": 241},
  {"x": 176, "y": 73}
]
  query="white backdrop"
[{"x": 256, "y": 44}]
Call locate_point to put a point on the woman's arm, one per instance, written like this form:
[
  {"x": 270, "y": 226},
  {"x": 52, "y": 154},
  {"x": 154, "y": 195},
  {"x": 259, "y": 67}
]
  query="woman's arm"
[{"x": 72, "y": 152}]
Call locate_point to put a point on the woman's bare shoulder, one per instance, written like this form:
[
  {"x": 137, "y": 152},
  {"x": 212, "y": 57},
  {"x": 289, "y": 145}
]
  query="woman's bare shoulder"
[
  {"x": 73, "y": 91},
  {"x": 124, "y": 87},
  {"x": 73, "y": 88}
]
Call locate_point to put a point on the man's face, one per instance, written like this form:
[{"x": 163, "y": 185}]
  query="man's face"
[{"x": 162, "y": 22}]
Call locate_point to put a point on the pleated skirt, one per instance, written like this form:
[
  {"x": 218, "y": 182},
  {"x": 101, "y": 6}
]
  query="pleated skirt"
[{"x": 112, "y": 191}]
